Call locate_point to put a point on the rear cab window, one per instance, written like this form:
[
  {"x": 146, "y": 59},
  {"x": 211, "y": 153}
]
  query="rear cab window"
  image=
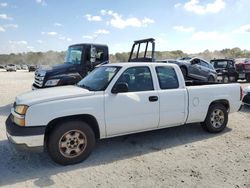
[{"x": 167, "y": 77}]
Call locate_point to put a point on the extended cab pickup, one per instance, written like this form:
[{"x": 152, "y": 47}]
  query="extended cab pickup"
[{"x": 113, "y": 100}]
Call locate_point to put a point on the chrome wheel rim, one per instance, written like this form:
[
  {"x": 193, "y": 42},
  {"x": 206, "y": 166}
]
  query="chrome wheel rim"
[
  {"x": 72, "y": 143},
  {"x": 217, "y": 118}
]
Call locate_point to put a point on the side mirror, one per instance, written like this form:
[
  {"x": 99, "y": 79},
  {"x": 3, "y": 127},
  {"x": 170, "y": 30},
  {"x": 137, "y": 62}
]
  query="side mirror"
[
  {"x": 121, "y": 87},
  {"x": 92, "y": 54}
]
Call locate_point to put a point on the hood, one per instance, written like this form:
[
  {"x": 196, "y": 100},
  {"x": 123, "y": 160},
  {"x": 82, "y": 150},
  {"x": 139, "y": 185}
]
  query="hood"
[
  {"x": 51, "y": 94},
  {"x": 57, "y": 69}
]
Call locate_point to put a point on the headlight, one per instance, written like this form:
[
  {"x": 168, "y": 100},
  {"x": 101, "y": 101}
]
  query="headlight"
[
  {"x": 21, "y": 109},
  {"x": 52, "y": 82}
]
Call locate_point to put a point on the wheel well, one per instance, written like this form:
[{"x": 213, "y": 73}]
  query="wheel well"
[
  {"x": 224, "y": 102},
  {"x": 91, "y": 120}
]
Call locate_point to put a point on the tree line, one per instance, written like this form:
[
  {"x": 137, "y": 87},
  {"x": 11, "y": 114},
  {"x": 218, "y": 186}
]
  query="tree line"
[{"x": 52, "y": 57}]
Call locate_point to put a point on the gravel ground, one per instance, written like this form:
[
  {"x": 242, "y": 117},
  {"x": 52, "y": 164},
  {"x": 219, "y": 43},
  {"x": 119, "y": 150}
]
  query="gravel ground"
[{"x": 184, "y": 156}]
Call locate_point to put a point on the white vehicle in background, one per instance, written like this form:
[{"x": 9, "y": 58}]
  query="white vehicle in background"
[
  {"x": 25, "y": 67},
  {"x": 2, "y": 67},
  {"x": 113, "y": 100},
  {"x": 11, "y": 67}
]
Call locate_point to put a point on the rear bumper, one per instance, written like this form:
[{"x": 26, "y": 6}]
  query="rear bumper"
[{"x": 25, "y": 137}]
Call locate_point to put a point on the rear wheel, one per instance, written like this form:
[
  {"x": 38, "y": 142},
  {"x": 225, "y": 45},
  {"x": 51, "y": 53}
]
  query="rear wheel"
[
  {"x": 216, "y": 119},
  {"x": 70, "y": 142}
]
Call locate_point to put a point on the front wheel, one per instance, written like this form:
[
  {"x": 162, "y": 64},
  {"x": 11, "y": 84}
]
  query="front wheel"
[
  {"x": 216, "y": 119},
  {"x": 70, "y": 142}
]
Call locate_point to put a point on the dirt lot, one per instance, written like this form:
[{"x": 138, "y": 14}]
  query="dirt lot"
[{"x": 184, "y": 156}]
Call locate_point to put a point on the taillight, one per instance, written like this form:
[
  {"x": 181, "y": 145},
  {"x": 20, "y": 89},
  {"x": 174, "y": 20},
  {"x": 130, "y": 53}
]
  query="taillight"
[{"x": 241, "y": 93}]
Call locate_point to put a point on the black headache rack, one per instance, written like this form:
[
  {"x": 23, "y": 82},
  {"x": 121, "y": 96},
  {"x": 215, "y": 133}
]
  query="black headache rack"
[{"x": 138, "y": 54}]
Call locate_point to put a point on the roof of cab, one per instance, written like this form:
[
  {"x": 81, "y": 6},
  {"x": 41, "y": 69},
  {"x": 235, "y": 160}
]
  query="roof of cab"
[
  {"x": 88, "y": 44},
  {"x": 131, "y": 64}
]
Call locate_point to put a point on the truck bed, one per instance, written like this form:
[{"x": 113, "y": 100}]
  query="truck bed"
[{"x": 201, "y": 95}]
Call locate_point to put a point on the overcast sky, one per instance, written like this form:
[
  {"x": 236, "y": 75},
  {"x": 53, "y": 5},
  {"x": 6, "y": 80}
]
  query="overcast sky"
[{"x": 188, "y": 25}]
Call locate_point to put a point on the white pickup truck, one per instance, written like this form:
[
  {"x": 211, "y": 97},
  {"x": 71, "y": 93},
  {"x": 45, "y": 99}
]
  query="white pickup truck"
[{"x": 113, "y": 100}]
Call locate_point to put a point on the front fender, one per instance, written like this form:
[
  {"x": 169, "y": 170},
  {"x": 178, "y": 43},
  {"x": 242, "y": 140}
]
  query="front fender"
[{"x": 43, "y": 113}]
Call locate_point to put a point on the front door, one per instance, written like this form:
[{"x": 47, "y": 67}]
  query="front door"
[
  {"x": 195, "y": 69},
  {"x": 135, "y": 110}
]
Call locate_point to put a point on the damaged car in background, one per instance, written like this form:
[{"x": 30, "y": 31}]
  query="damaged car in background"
[{"x": 195, "y": 69}]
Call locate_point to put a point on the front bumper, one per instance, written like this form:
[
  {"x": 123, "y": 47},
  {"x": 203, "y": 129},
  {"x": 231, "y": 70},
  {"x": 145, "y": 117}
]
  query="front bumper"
[
  {"x": 35, "y": 87},
  {"x": 25, "y": 137}
]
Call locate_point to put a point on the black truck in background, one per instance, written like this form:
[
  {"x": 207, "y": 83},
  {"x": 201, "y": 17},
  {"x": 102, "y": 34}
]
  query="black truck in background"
[
  {"x": 230, "y": 70},
  {"x": 83, "y": 58},
  {"x": 80, "y": 59},
  {"x": 225, "y": 69}
]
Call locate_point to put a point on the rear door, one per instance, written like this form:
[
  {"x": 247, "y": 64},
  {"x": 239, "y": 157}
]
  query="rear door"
[
  {"x": 135, "y": 110},
  {"x": 173, "y": 97}
]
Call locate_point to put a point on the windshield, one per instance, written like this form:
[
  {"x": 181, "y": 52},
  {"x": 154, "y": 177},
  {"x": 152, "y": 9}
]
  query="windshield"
[
  {"x": 219, "y": 64},
  {"x": 99, "y": 78},
  {"x": 74, "y": 55}
]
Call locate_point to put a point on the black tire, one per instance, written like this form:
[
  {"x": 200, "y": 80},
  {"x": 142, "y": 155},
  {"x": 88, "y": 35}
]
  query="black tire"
[
  {"x": 225, "y": 79},
  {"x": 215, "y": 124},
  {"x": 248, "y": 78},
  {"x": 60, "y": 132},
  {"x": 184, "y": 72},
  {"x": 211, "y": 79}
]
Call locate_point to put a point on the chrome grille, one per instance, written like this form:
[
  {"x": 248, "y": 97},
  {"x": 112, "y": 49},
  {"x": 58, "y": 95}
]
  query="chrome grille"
[{"x": 39, "y": 77}]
